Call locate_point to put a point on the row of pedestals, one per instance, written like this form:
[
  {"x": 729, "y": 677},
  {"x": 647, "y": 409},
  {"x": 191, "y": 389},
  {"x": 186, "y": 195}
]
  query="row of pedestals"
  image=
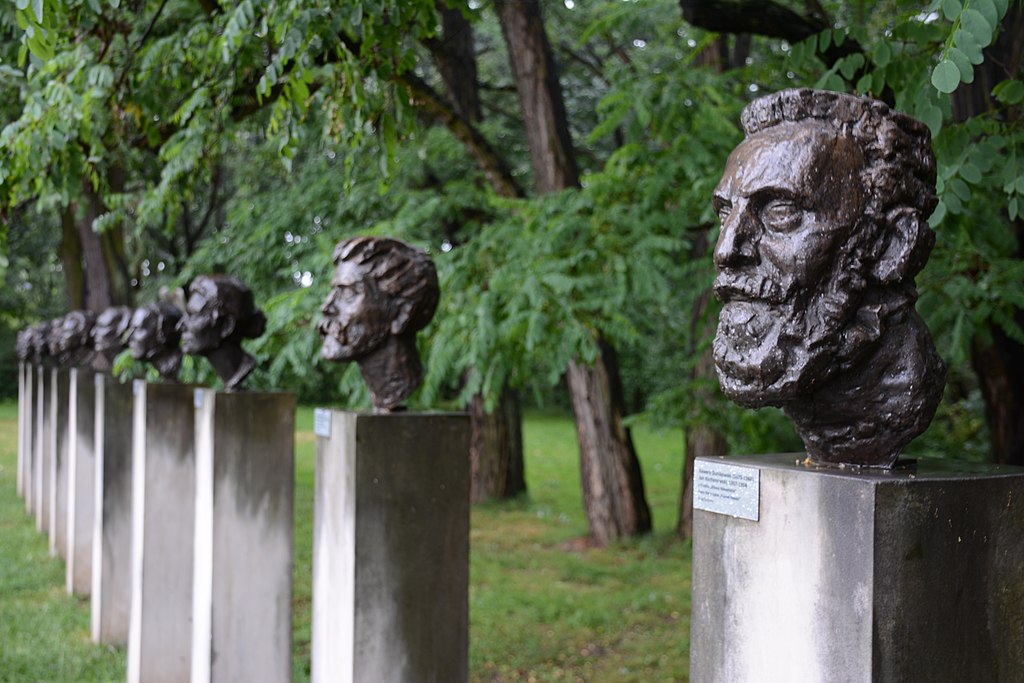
[{"x": 172, "y": 506}]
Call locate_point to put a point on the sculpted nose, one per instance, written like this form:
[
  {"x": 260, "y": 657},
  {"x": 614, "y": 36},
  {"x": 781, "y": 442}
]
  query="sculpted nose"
[
  {"x": 328, "y": 307},
  {"x": 736, "y": 241}
]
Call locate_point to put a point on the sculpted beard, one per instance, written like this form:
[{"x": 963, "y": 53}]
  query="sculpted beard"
[{"x": 771, "y": 338}]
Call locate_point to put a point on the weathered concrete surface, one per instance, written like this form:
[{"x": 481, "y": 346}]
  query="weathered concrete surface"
[
  {"x": 81, "y": 481},
  {"x": 112, "y": 525},
  {"x": 245, "y": 473},
  {"x": 391, "y": 549},
  {"x": 21, "y": 429},
  {"x": 28, "y": 486},
  {"x": 911, "y": 576},
  {"x": 61, "y": 387},
  {"x": 163, "y": 524},
  {"x": 43, "y": 443}
]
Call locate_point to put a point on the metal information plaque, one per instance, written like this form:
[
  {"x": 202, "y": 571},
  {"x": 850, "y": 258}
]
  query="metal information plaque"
[
  {"x": 322, "y": 422},
  {"x": 727, "y": 489}
]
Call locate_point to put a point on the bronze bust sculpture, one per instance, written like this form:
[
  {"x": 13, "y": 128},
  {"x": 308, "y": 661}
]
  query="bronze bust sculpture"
[
  {"x": 38, "y": 343},
  {"x": 219, "y": 314},
  {"x": 108, "y": 336},
  {"x": 68, "y": 338},
  {"x": 153, "y": 337},
  {"x": 824, "y": 211},
  {"x": 383, "y": 292},
  {"x": 23, "y": 345}
]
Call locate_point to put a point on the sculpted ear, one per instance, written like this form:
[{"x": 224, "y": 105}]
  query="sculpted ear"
[
  {"x": 400, "y": 321},
  {"x": 907, "y": 240},
  {"x": 227, "y": 327}
]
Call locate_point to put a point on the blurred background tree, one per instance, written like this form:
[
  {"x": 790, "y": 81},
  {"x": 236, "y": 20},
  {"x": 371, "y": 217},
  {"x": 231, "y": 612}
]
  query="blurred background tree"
[{"x": 557, "y": 160}]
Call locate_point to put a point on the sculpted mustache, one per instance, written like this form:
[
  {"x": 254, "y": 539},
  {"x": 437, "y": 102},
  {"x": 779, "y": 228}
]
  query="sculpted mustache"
[{"x": 747, "y": 287}]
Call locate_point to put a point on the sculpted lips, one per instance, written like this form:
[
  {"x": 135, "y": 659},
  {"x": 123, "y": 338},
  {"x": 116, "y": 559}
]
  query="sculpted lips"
[{"x": 731, "y": 287}]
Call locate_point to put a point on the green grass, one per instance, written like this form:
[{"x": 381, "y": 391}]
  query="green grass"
[{"x": 543, "y": 605}]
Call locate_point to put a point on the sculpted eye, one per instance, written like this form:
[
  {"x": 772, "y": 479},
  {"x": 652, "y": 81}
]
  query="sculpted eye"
[
  {"x": 781, "y": 215},
  {"x": 722, "y": 207}
]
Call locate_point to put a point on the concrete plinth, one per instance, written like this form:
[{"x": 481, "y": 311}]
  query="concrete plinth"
[
  {"x": 163, "y": 523},
  {"x": 391, "y": 548},
  {"x": 245, "y": 473},
  {"x": 43, "y": 446},
  {"x": 60, "y": 379},
  {"x": 112, "y": 524},
  {"x": 21, "y": 429},
  {"x": 29, "y": 430},
  {"x": 911, "y": 576},
  {"x": 81, "y": 481}
]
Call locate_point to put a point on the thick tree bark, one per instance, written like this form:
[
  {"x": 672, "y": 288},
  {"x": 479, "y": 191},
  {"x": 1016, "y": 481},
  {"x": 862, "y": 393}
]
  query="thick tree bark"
[
  {"x": 496, "y": 450},
  {"x": 456, "y": 61},
  {"x": 497, "y": 469},
  {"x": 95, "y": 268},
  {"x": 700, "y": 439},
  {"x": 613, "y": 487},
  {"x": 613, "y": 492},
  {"x": 540, "y": 95}
]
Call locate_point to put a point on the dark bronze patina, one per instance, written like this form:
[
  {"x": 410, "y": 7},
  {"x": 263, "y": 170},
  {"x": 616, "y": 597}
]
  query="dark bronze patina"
[
  {"x": 23, "y": 345},
  {"x": 38, "y": 343},
  {"x": 108, "y": 336},
  {"x": 153, "y": 337},
  {"x": 219, "y": 314},
  {"x": 383, "y": 292},
  {"x": 68, "y": 339},
  {"x": 824, "y": 211}
]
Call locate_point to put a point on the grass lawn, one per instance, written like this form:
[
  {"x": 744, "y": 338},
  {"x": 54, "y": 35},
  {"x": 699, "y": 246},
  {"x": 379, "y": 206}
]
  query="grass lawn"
[{"x": 543, "y": 606}]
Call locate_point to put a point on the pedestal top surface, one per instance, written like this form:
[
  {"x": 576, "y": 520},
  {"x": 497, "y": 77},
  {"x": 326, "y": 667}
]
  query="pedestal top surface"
[{"x": 906, "y": 470}]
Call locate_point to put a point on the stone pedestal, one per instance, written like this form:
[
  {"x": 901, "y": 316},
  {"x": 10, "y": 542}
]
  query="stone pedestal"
[
  {"x": 391, "y": 548},
  {"x": 43, "y": 445},
  {"x": 163, "y": 523},
  {"x": 112, "y": 528},
  {"x": 21, "y": 427},
  {"x": 60, "y": 379},
  {"x": 26, "y": 438},
  {"x": 245, "y": 473},
  {"x": 81, "y": 481},
  {"x": 913, "y": 575}
]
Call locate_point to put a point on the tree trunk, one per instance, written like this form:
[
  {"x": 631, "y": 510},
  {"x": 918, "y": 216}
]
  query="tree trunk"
[
  {"x": 613, "y": 492},
  {"x": 613, "y": 488},
  {"x": 997, "y": 362},
  {"x": 94, "y": 264},
  {"x": 496, "y": 449},
  {"x": 496, "y": 442},
  {"x": 700, "y": 440},
  {"x": 540, "y": 95}
]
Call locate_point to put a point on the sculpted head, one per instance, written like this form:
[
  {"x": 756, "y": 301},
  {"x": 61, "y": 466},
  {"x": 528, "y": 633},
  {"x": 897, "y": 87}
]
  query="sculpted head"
[
  {"x": 153, "y": 330},
  {"x": 381, "y": 288},
  {"x": 382, "y": 293},
  {"x": 38, "y": 342},
  {"x": 68, "y": 337},
  {"x": 109, "y": 332},
  {"x": 23, "y": 345},
  {"x": 826, "y": 200},
  {"x": 219, "y": 313},
  {"x": 823, "y": 211}
]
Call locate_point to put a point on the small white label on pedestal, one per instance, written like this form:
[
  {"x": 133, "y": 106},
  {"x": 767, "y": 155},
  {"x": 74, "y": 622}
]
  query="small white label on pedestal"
[
  {"x": 322, "y": 422},
  {"x": 197, "y": 398},
  {"x": 727, "y": 489}
]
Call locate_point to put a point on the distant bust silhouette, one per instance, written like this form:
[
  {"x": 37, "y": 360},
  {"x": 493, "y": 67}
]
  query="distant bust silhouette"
[
  {"x": 824, "y": 210},
  {"x": 23, "y": 345},
  {"x": 38, "y": 343},
  {"x": 153, "y": 337},
  {"x": 108, "y": 336},
  {"x": 219, "y": 314},
  {"x": 383, "y": 292},
  {"x": 68, "y": 338}
]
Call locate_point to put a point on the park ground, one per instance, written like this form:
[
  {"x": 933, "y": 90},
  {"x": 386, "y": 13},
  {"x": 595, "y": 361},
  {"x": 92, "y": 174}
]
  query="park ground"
[{"x": 544, "y": 605}]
